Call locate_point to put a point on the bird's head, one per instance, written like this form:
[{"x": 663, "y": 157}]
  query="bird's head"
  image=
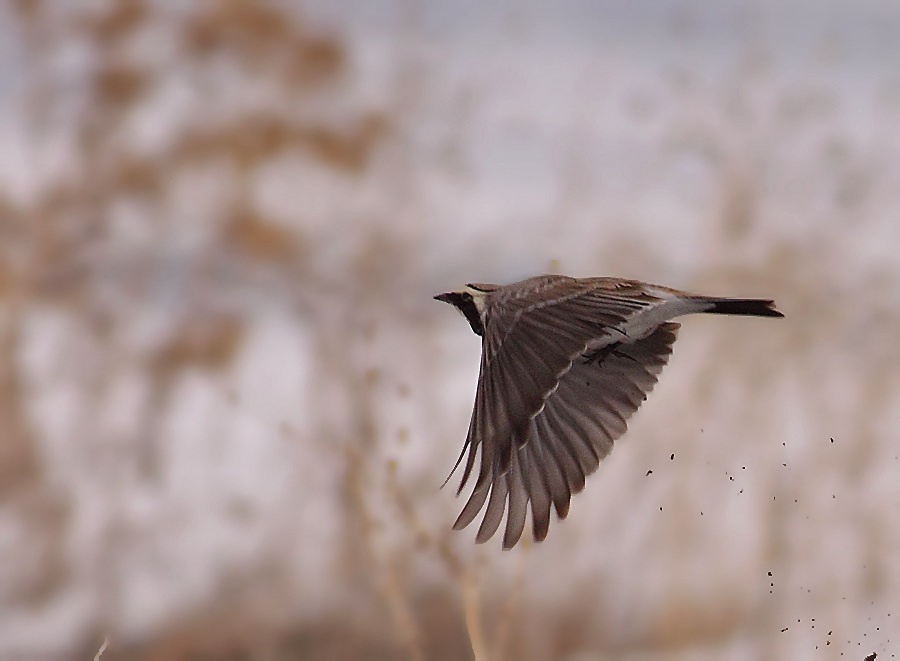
[{"x": 470, "y": 301}]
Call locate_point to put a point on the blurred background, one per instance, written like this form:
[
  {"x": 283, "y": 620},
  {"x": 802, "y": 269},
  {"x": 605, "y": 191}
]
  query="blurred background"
[{"x": 227, "y": 399}]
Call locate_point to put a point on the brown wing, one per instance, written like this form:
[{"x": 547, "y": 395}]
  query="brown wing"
[
  {"x": 525, "y": 352},
  {"x": 584, "y": 408}
]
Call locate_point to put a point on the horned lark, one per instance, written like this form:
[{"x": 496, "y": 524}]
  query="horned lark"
[{"x": 564, "y": 363}]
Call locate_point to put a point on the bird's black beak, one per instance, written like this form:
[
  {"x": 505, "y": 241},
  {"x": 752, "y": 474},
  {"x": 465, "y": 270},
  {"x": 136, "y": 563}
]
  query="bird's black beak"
[{"x": 464, "y": 303}]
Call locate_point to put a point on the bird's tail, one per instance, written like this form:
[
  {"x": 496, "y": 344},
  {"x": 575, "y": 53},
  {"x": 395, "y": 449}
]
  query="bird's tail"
[{"x": 751, "y": 307}]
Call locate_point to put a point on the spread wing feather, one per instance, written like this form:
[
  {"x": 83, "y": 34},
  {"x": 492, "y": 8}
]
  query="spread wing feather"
[{"x": 552, "y": 398}]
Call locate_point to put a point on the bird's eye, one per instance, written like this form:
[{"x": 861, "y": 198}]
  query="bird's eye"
[{"x": 467, "y": 297}]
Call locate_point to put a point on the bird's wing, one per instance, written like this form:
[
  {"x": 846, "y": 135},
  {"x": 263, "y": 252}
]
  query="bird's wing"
[
  {"x": 530, "y": 365},
  {"x": 571, "y": 435},
  {"x": 525, "y": 351}
]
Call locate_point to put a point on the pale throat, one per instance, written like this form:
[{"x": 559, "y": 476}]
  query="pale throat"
[{"x": 478, "y": 298}]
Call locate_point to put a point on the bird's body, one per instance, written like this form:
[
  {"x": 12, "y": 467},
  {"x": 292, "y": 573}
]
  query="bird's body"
[{"x": 565, "y": 362}]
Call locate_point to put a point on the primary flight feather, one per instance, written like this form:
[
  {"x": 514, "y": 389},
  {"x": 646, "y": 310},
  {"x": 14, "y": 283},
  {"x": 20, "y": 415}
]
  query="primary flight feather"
[{"x": 564, "y": 363}]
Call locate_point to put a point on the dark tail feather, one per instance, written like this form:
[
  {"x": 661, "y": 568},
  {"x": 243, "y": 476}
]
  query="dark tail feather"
[{"x": 751, "y": 307}]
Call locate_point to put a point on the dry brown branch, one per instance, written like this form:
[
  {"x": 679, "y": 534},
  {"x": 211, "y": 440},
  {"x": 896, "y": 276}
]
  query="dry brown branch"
[{"x": 102, "y": 648}]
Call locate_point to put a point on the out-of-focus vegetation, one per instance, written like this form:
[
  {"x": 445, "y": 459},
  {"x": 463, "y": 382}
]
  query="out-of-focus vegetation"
[{"x": 227, "y": 402}]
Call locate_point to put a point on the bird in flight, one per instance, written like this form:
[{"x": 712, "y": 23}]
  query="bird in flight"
[{"x": 564, "y": 363}]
